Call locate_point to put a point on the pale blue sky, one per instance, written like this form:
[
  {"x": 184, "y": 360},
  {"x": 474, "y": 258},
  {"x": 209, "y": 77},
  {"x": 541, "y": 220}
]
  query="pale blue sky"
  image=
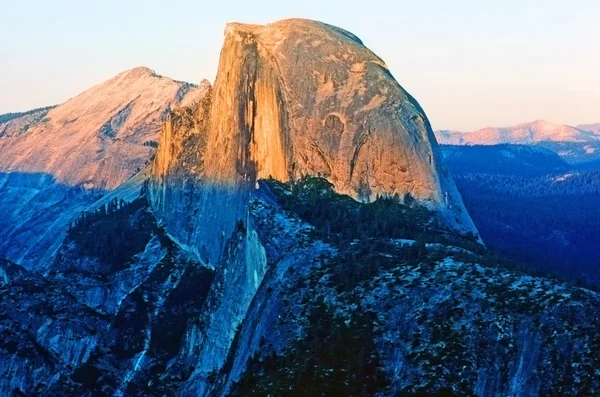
[{"x": 469, "y": 63}]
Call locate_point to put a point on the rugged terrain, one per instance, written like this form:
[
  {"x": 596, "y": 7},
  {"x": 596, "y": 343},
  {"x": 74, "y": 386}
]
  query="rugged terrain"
[
  {"x": 56, "y": 161},
  {"x": 384, "y": 315},
  {"x": 296, "y": 234},
  {"x": 300, "y": 305}
]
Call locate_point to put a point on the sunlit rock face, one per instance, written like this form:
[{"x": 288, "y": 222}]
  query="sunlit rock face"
[
  {"x": 296, "y": 98},
  {"x": 200, "y": 213},
  {"x": 310, "y": 98}
]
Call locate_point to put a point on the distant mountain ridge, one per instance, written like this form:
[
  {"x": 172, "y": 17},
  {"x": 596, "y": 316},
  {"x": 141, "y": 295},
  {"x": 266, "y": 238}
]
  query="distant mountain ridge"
[
  {"x": 525, "y": 133},
  {"x": 6, "y": 117},
  {"x": 576, "y": 145},
  {"x": 595, "y": 128}
]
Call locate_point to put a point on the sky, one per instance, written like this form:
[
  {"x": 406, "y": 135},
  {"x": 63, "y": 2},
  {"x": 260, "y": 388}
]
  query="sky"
[{"x": 470, "y": 64}]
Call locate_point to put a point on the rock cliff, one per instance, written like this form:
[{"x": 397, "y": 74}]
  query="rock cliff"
[
  {"x": 291, "y": 99},
  {"x": 295, "y": 98}
]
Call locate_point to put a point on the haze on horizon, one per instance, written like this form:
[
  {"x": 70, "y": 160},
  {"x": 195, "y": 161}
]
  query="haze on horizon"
[{"x": 470, "y": 64}]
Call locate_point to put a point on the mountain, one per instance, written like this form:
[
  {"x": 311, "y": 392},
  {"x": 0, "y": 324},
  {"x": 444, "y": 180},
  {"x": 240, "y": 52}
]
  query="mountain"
[
  {"x": 595, "y": 128},
  {"x": 525, "y": 134},
  {"x": 295, "y": 234},
  {"x": 291, "y": 99},
  {"x": 56, "y": 161},
  {"x": 99, "y": 138},
  {"x": 504, "y": 159},
  {"x": 301, "y": 98},
  {"x": 299, "y": 264},
  {"x": 576, "y": 145}
]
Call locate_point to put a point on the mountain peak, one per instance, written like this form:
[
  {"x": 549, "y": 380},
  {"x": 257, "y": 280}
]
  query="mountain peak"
[
  {"x": 300, "y": 97},
  {"x": 138, "y": 71},
  {"x": 100, "y": 137},
  {"x": 130, "y": 76},
  {"x": 544, "y": 124}
]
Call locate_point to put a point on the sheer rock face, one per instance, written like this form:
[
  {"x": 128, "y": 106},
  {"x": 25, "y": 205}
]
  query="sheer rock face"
[
  {"x": 301, "y": 97},
  {"x": 99, "y": 138},
  {"x": 311, "y": 99}
]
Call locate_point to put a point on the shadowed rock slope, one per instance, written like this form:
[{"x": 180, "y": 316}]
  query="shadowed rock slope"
[
  {"x": 301, "y": 306},
  {"x": 381, "y": 316}
]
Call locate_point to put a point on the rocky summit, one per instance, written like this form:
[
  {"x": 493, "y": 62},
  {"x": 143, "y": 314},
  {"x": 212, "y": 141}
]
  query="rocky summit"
[
  {"x": 56, "y": 161},
  {"x": 300, "y": 97},
  {"x": 296, "y": 234},
  {"x": 100, "y": 137}
]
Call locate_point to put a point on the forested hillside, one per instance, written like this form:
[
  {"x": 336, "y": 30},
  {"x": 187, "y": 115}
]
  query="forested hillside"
[
  {"x": 504, "y": 159},
  {"x": 6, "y": 117},
  {"x": 547, "y": 223}
]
